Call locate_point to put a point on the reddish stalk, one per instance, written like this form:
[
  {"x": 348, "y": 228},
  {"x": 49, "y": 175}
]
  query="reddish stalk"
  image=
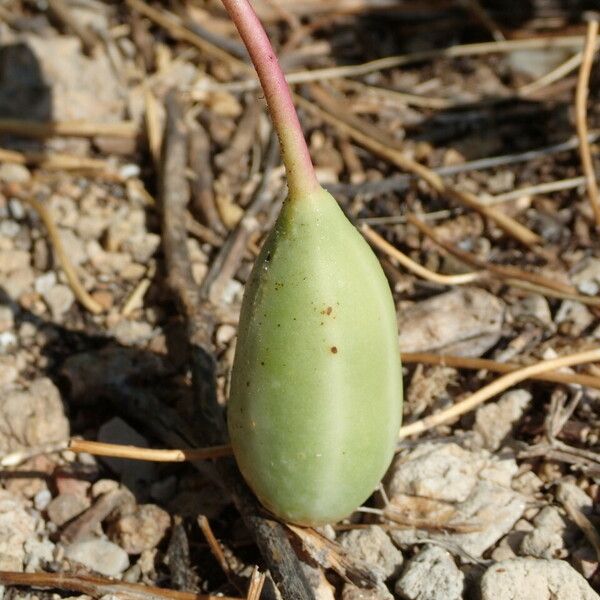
[{"x": 296, "y": 158}]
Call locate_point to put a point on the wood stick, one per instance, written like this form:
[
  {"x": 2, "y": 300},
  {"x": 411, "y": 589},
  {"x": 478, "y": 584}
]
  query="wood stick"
[{"x": 581, "y": 97}]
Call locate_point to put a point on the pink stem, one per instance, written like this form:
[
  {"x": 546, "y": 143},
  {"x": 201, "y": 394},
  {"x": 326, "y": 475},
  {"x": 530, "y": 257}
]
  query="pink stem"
[{"x": 296, "y": 158}]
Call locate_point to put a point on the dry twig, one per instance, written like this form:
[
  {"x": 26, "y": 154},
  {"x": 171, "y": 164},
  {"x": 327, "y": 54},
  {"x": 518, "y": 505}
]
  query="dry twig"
[
  {"x": 463, "y": 362},
  {"x": 391, "y": 62},
  {"x": 97, "y": 587},
  {"x": 86, "y": 129},
  {"x": 257, "y": 582},
  {"x": 377, "y": 141},
  {"x": 581, "y": 116},
  {"x": 73, "y": 279},
  {"x": 494, "y": 388},
  {"x": 416, "y": 268}
]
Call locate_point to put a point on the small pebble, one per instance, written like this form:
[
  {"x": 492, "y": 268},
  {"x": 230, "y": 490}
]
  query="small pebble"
[
  {"x": 141, "y": 530},
  {"x": 59, "y": 299},
  {"x": 44, "y": 283},
  {"x": 66, "y": 507},
  {"x": 99, "y": 555},
  {"x": 42, "y": 499},
  {"x": 14, "y": 173}
]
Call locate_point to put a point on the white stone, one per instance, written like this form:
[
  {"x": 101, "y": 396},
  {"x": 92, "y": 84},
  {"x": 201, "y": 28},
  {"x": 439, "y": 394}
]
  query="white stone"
[
  {"x": 529, "y": 578},
  {"x": 495, "y": 421},
  {"x": 447, "y": 485},
  {"x": 99, "y": 555},
  {"x": 431, "y": 575},
  {"x": 373, "y": 546}
]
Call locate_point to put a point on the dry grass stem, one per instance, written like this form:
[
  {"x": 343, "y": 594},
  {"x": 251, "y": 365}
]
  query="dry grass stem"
[
  {"x": 535, "y": 190},
  {"x": 506, "y": 272},
  {"x": 545, "y": 291},
  {"x": 463, "y": 362},
  {"x": 383, "y": 245},
  {"x": 588, "y": 528},
  {"x": 98, "y": 587},
  {"x": 148, "y": 454},
  {"x": 65, "y": 262},
  {"x": 553, "y": 76},
  {"x": 35, "y": 129},
  {"x": 213, "y": 544},
  {"x": 494, "y": 388},
  {"x": 154, "y": 128},
  {"x": 20, "y": 456},
  {"x": 391, "y": 62},
  {"x": 180, "y": 32},
  {"x": 581, "y": 97},
  {"x": 377, "y": 141},
  {"x": 257, "y": 582},
  {"x": 56, "y": 161}
]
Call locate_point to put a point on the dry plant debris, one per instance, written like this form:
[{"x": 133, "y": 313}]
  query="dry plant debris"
[{"x": 138, "y": 177}]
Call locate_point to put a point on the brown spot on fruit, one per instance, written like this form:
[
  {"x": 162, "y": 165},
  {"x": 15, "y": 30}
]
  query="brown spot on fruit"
[{"x": 333, "y": 349}]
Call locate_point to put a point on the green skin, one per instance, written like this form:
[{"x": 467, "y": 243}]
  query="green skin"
[{"x": 316, "y": 392}]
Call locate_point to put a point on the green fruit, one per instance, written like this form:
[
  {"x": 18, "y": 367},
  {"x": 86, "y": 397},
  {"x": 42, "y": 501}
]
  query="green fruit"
[{"x": 316, "y": 391}]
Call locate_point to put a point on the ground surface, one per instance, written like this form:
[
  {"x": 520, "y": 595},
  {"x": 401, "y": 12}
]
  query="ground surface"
[{"x": 496, "y": 503}]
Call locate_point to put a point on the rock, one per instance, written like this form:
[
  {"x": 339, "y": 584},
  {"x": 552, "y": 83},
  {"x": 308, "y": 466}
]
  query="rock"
[
  {"x": 460, "y": 496},
  {"x": 528, "y": 578},
  {"x": 532, "y": 308},
  {"x": 495, "y": 421},
  {"x": 13, "y": 260},
  {"x": 431, "y": 575},
  {"x": 373, "y": 546},
  {"x": 573, "y": 317},
  {"x": 66, "y": 507},
  {"x": 59, "y": 299},
  {"x": 141, "y": 530},
  {"x": 36, "y": 473},
  {"x": 465, "y": 322},
  {"x": 32, "y": 416},
  {"x": 8, "y": 369},
  {"x": 428, "y": 388},
  {"x": 104, "y": 486},
  {"x": 567, "y": 492},
  {"x": 14, "y": 173},
  {"x": 546, "y": 540},
  {"x": 17, "y": 525},
  {"x": 351, "y": 592},
  {"x": 17, "y": 282},
  {"x": 133, "y": 472},
  {"x": 99, "y": 555},
  {"x": 321, "y": 588},
  {"x": 38, "y": 553},
  {"x": 130, "y": 333},
  {"x": 7, "y": 318},
  {"x": 50, "y": 77},
  {"x": 142, "y": 246},
  {"x": 42, "y": 499},
  {"x": 587, "y": 276},
  {"x": 44, "y": 283},
  {"x": 74, "y": 246},
  {"x": 536, "y": 63}
]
